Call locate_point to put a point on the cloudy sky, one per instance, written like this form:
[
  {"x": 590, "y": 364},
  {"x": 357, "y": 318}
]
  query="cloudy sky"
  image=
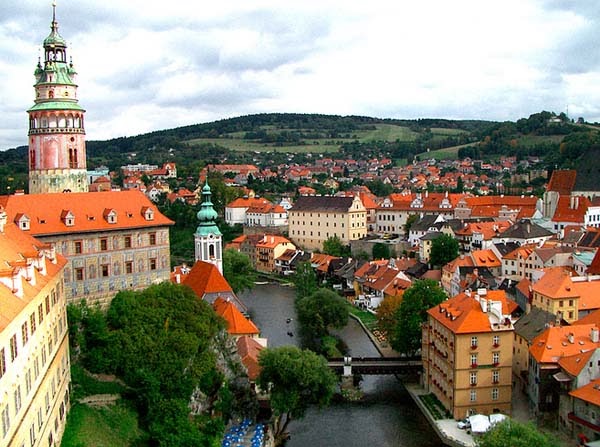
[{"x": 149, "y": 65}]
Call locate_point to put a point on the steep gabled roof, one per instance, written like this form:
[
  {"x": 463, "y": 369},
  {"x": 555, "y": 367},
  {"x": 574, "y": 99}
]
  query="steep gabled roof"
[
  {"x": 562, "y": 181},
  {"x": 534, "y": 323},
  {"x": 204, "y": 278},
  {"x": 249, "y": 349},
  {"x": 573, "y": 364},
  {"x": 237, "y": 324},
  {"x": 588, "y": 393}
]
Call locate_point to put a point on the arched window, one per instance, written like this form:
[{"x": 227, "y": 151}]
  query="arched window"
[
  {"x": 211, "y": 251},
  {"x": 32, "y": 159}
]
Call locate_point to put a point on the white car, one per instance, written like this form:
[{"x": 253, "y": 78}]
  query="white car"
[{"x": 464, "y": 424}]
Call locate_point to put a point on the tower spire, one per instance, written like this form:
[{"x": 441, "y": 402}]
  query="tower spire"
[{"x": 208, "y": 237}]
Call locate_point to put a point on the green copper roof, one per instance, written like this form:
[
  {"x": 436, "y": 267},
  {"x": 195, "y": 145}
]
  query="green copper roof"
[
  {"x": 61, "y": 74},
  {"x": 56, "y": 105},
  {"x": 207, "y": 215}
]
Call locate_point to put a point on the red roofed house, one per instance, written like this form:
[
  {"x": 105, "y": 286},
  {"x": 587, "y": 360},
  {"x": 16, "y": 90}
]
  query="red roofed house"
[
  {"x": 235, "y": 211},
  {"x": 467, "y": 353},
  {"x": 269, "y": 249},
  {"x": 113, "y": 240},
  {"x": 237, "y": 324},
  {"x": 266, "y": 215},
  {"x": 249, "y": 349},
  {"x": 559, "y": 360}
]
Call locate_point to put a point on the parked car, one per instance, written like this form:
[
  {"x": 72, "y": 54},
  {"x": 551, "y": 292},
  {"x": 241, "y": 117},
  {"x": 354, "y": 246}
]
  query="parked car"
[{"x": 464, "y": 424}]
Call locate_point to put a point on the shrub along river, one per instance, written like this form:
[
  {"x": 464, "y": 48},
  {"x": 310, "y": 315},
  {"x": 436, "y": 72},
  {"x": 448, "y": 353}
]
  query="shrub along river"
[{"x": 385, "y": 417}]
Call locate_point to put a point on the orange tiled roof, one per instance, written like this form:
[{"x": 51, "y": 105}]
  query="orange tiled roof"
[
  {"x": 247, "y": 202},
  {"x": 485, "y": 258},
  {"x": 571, "y": 209},
  {"x": 555, "y": 283},
  {"x": 237, "y": 324},
  {"x": 249, "y": 349},
  {"x": 204, "y": 278},
  {"x": 272, "y": 241},
  {"x": 553, "y": 343},
  {"x": 17, "y": 249},
  {"x": 573, "y": 364},
  {"x": 588, "y": 393},
  {"x": 562, "y": 181},
  {"x": 45, "y": 211},
  {"x": 591, "y": 318},
  {"x": 462, "y": 314}
]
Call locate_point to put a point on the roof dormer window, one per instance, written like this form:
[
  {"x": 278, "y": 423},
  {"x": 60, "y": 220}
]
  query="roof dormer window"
[
  {"x": 68, "y": 218},
  {"x": 148, "y": 213},
  {"x": 23, "y": 222},
  {"x": 110, "y": 215}
]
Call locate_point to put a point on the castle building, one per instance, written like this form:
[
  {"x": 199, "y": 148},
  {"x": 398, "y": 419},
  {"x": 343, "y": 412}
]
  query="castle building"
[
  {"x": 112, "y": 240},
  {"x": 57, "y": 157},
  {"x": 208, "y": 238},
  {"x": 34, "y": 346}
]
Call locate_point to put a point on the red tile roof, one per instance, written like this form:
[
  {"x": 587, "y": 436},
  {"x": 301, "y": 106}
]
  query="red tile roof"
[
  {"x": 205, "y": 277},
  {"x": 237, "y": 324},
  {"x": 588, "y": 393},
  {"x": 249, "y": 350},
  {"x": 553, "y": 344},
  {"x": 247, "y": 202},
  {"x": 45, "y": 211},
  {"x": 562, "y": 181}
]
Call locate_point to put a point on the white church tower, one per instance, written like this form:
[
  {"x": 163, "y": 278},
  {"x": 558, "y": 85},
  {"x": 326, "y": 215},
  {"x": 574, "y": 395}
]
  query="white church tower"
[{"x": 208, "y": 237}]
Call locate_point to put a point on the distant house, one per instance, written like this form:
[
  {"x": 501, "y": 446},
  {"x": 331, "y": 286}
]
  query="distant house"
[{"x": 237, "y": 324}]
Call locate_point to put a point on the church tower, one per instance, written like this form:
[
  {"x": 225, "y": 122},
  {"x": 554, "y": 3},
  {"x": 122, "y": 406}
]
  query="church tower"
[
  {"x": 57, "y": 158},
  {"x": 208, "y": 237}
]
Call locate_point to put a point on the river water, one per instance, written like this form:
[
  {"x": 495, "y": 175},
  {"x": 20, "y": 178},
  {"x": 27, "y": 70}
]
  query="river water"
[{"x": 386, "y": 417}]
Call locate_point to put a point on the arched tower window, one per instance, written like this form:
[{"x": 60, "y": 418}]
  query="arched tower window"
[
  {"x": 211, "y": 251},
  {"x": 72, "y": 158},
  {"x": 51, "y": 94}
]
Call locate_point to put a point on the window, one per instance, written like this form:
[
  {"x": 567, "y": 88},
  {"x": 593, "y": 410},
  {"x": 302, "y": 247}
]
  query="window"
[
  {"x": 28, "y": 381},
  {"x": 496, "y": 376},
  {"x": 2, "y": 362},
  {"x": 32, "y": 434},
  {"x": 47, "y": 304},
  {"x": 78, "y": 247},
  {"x": 103, "y": 244},
  {"x": 474, "y": 359},
  {"x": 79, "y": 274},
  {"x": 40, "y": 417},
  {"x": 495, "y": 358},
  {"x": 473, "y": 342},
  {"x": 153, "y": 263},
  {"x": 473, "y": 395},
  {"x": 36, "y": 367},
  {"x": 32, "y": 323},
  {"x": 570, "y": 303},
  {"x": 43, "y": 355},
  {"x": 127, "y": 242},
  {"x": 129, "y": 267},
  {"x": 24, "y": 333},
  {"x": 41, "y": 313},
  {"x": 5, "y": 421},
  {"x": 13, "y": 348},
  {"x": 495, "y": 393},
  {"x": 473, "y": 378},
  {"x": 496, "y": 341},
  {"x": 17, "y": 395},
  {"x": 104, "y": 268},
  {"x": 152, "y": 237}
]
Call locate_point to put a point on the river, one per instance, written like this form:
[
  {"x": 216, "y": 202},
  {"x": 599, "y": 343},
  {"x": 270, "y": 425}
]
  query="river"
[{"x": 386, "y": 417}]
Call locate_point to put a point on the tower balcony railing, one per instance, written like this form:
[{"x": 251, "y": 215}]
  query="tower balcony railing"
[{"x": 47, "y": 130}]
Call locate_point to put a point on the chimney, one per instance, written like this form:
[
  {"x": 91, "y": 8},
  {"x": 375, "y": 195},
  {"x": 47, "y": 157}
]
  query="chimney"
[
  {"x": 571, "y": 337},
  {"x": 595, "y": 335},
  {"x": 177, "y": 278},
  {"x": 3, "y": 219}
]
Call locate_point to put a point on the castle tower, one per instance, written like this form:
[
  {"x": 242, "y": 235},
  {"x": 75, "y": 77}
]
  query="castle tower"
[
  {"x": 57, "y": 158},
  {"x": 208, "y": 237}
]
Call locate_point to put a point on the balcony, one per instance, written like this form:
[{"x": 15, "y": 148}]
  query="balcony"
[
  {"x": 474, "y": 346},
  {"x": 473, "y": 365}
]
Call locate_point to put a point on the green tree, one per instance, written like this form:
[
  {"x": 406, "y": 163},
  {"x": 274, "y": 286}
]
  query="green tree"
[
  {"x": 317, "y": 313},
  {"x": 296, "y": 379},
  {"x": 412, "y": 313},
  {"x": 409, "y": 222},
  {"x": 237, "y": 270},
  {"x": 381, "y": 251},
  {"x": 443, "y": 250},
  {"x": 333, "y": 246},
  {"x": 510, "y": 433},
  {"x": 386, "y": 313},
  {"x": 305, "y": 280}
]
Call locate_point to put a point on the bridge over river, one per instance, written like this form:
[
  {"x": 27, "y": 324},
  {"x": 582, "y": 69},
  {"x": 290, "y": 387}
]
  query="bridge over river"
[{"x": 375, "y": 365}]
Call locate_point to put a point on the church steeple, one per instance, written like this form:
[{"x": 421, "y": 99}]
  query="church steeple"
[
  {"x": 57, "y": 155},
  {"x": 208, "y": 237}
]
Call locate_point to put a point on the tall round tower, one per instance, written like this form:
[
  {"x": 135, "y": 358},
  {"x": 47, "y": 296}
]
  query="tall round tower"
[{"x": 57, "y": 158}]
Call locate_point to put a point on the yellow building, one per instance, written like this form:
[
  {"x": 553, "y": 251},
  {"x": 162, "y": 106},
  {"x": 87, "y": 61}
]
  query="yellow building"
[
  {"x": 269, "y": 248},
  {"x": 467, "y": 353},
  {"x": 314, "y": 219},
  {"x": 34, "y": 346}
]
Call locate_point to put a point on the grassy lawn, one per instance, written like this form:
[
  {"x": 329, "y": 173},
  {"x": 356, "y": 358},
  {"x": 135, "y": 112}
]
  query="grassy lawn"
[
  {"x": 85, "y": 385},
  {"x": 447, "y": 153},
  {"x": 387, "y": 132},
  {"x": 368, "y": 319},
  {"x": 113, "y": 425},
  {"x": 434, "y": 406}
]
